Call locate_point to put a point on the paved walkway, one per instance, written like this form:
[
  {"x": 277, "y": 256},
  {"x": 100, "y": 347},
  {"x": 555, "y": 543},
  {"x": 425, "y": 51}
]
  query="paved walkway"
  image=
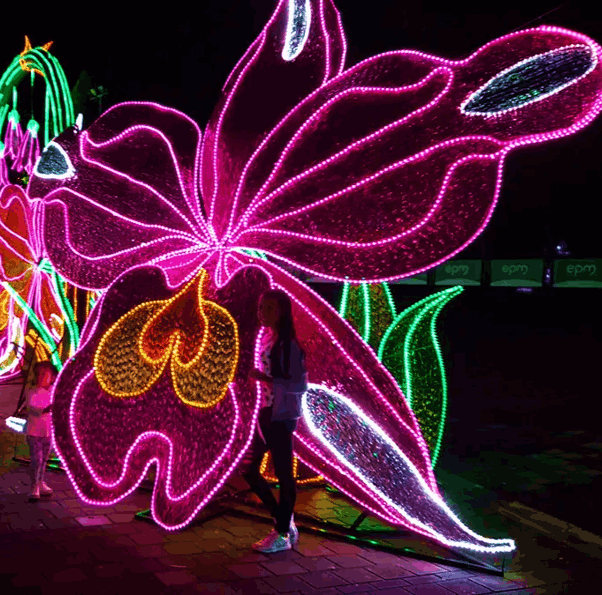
[{"x": 62, "y": 543}]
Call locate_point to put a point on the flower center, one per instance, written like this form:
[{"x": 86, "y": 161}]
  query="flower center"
[
  {"x": 198, "y": 337},
  {"x": 180, "y": 325}
]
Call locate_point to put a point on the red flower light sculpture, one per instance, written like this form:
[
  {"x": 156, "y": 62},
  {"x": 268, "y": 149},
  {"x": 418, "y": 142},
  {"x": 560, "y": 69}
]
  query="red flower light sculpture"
[
  {"x": 22, "y": 279},
  {"x": 376, "y": 172}
]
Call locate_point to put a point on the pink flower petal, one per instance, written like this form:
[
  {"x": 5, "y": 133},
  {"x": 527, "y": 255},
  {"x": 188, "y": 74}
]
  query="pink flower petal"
[
  {"x": 260, "y": 91},
  {"x": 108, "y": 443}
]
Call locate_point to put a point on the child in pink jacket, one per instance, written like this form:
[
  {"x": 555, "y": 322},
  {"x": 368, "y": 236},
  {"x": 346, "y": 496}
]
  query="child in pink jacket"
[{"x": 38, "y": 430}]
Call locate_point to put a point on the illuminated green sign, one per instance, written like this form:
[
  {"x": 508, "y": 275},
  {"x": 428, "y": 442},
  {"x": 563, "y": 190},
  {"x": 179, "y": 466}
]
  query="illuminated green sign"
[
  {"x": 459, "y": 272},
  {"x": 578, "y": 273},
  {"x": 516, "y": 273}
]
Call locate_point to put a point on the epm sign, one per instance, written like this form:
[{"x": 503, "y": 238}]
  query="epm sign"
[
  {"x": 459, "y": 272},
  {"x": 516, "y": 273},
  {"x": 578, "y": 273}
]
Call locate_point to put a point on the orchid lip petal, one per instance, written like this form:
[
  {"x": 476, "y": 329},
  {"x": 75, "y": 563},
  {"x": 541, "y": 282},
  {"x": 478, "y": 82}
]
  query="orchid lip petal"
[
  {"x": 186, "y": 480},
  {"x": 169, "y": 489}
]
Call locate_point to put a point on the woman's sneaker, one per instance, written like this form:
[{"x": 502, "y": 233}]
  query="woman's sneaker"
[
  {"x": 274, "y": 542},
  {"x": 293, "y": 532},
  {"x": 34, "y": 495},
  {"x": 45, "y": 490}
]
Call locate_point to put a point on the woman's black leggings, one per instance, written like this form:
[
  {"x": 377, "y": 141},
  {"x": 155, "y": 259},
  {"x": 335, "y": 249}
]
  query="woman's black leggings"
[{"x": 279, "y": 441}]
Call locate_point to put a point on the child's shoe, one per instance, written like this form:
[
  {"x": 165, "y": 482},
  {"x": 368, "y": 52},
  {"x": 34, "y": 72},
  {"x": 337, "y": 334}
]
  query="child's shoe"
[
  {"x": 34, "y": 495},
  {"x": 274, "y": 542},
  {"x": 45, "y": 490}
]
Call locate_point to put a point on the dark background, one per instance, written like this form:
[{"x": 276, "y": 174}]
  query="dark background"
[
  {"x": 538, "y": 350},
  {"x": 180, "y": 56}
]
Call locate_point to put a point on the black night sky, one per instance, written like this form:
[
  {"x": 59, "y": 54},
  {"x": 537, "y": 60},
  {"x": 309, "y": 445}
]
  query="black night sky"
[{"x": 182, "y": 57}]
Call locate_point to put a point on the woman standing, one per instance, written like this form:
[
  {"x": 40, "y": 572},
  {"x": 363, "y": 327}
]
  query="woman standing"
[{"x": 283, "y": 381}]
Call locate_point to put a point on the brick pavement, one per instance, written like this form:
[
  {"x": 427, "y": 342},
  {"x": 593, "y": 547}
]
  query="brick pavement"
[
  {"x": 87, "y": 550},
  {"x": 63, "y": 542}
]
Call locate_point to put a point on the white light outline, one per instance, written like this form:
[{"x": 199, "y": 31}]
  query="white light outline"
[
  {"x": 16, "y": 424},
  {"x": 307, "y": 417},
  {"x": 288, "y": 53},
  {"x": 64, "y": 176},
  {"x": 473, "y": 95}
]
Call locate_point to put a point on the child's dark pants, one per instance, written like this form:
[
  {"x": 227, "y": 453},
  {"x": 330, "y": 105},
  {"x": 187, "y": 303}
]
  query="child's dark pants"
[{"x": 279, "y": 441}]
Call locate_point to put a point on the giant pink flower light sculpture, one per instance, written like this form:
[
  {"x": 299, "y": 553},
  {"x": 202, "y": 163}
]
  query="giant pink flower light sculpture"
[{"x": 376, "y": 172}]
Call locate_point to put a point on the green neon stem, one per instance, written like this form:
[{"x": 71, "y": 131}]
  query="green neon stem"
[
  {"x": 59, "y": 112},
  {"x": 438, "y": 305},
  {"x": 366, "y": 292},
  {"x": 38, "y": 324},
  {"x": 405, "y": 313},
  {"x": 67, "y": 312},
  {"x": 390, "y": 301},
  {"x": 45, "y": 66},
  {"x": 344, "y": 300},
  {"x": 437, "y": 346},
  {"x": 418, "y": 389},
  {"x": 410, "y": 337},
  {"x": 3, "y": 111}
]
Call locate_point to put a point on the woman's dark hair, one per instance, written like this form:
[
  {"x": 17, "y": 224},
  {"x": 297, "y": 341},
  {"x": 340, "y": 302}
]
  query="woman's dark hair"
[
  {"x": 40, "y": 367},
  {"x": 285, "y": 333}
]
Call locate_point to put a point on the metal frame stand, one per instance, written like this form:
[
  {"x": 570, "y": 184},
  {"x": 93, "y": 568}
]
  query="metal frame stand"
[{"x": 229, "y": 504}]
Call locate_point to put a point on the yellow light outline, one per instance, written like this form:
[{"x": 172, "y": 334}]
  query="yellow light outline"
[
  {"x": 23, "y": 63},
  {"x": 4, "y": 303},
  {"x": 172, "y": 348},
  {"x": 234, "y": 365},
  {"x": 174, "y": 339},
  {"x": 267, "y": 477},
  {"x": 108, "y": 335}
]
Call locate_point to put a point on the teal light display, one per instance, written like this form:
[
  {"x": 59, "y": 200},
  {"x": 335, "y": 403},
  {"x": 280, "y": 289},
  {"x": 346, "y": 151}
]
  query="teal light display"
[
  {"x": 408, "y": 346},
  {"x": 370, "y": 310},
  {"x": 411, "y": 352}
]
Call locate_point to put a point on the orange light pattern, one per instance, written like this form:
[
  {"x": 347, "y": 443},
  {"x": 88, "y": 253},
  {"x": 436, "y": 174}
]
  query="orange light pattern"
[
  {"x": 37, "y": 343},
  {"x": 198, "y": 337},
  {"x": 23, "y": 63},
  {"x": 4, "y": 303},
  {"x": 268, "y": 475}
]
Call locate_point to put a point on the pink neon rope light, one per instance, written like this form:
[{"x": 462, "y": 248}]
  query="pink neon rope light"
[{"x": 404, "y": 184}]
